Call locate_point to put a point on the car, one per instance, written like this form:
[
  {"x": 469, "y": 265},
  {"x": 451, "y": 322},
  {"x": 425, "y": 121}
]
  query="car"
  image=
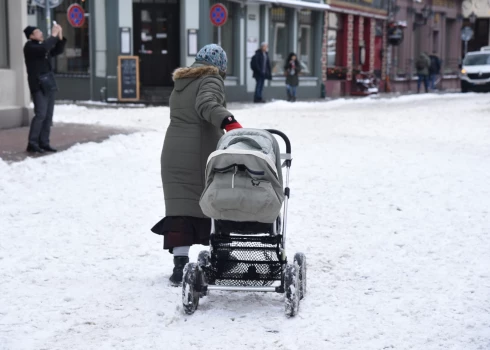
[{"x": 475, "y": 71}]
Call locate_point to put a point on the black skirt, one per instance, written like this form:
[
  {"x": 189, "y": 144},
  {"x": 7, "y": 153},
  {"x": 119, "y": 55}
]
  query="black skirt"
[{"x": 179, "y": 231}]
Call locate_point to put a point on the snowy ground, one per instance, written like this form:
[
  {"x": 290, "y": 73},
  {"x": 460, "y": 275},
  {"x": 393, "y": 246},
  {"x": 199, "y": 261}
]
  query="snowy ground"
[{"x": 390, "y": 202}]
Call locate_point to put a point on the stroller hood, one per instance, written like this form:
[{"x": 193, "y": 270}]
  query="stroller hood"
[{"x": 244, "y": 178}]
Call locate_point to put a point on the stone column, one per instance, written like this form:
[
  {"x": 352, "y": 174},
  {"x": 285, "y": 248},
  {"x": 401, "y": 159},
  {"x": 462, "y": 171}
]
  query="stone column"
[
  {"x": 350, "y": 44},
  {"x": 17, "y": 21},
  {"x": 372, "y": 38},
  {"x": 360, "y": 41},
  {"x": 325, "y": 47},
  {"x": 385, "y": 45}
]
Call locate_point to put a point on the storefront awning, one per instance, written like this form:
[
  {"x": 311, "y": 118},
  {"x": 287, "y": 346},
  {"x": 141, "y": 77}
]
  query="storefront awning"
[
  {"x": 357, "y": 13},
  {"x": 295, "y": 3}
]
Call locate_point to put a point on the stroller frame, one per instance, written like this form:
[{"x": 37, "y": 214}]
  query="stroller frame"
[{"x": 231, "y": 264}]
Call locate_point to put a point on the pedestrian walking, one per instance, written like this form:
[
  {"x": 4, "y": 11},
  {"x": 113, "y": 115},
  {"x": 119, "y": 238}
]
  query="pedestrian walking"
[
  {"x": 422, "y": 65},
  {"x": 292, "y": 68},
  {"x": 198, "y": 116},
  {"x": 42, "y": 84},
  {"x": 434, "y": 69},
  {"x": 261, "y": 67}
]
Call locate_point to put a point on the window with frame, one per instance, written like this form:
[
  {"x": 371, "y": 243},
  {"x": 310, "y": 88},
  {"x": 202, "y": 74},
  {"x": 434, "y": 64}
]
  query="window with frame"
[
  {"x": 4, "y": 59},
  {"x": 335, "y": 59},
  {"x": 305, "y": 42},
  {"x": 280, "y": 42},
  {"x": 227, "y": 33},
  {"x": 76, "y": 57}
]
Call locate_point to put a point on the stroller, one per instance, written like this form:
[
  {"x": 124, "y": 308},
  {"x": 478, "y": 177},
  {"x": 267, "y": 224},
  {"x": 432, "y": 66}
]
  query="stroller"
[{"x": 244, "y": 196}]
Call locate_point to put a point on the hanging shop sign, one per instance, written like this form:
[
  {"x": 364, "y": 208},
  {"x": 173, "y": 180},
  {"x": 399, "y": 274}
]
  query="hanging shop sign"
[{"x": 395, "y": 33}]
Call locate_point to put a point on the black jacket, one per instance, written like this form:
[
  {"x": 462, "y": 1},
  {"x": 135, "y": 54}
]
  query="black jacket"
[
  {"x": 38, "y": 55},
  {"x": 258, "y": 62},
  {"x": 435, "y": 65},
  {"x": 292, "y": 79}
]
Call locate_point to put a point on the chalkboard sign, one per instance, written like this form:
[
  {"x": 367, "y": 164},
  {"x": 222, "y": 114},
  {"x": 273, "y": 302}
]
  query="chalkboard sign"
[{"x": 128, "y": 78}]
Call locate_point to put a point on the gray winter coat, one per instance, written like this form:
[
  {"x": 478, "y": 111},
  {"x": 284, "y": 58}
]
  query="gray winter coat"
[{"x": 197, "y": 111}]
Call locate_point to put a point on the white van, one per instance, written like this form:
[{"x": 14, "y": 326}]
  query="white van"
[{"x": 475, "y": 71}]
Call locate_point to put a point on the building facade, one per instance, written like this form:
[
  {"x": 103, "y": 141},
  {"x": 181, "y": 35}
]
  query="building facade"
[
  {"x": 432, "y": 26},
  {"x": 165, "y": 34},
  {"x": 481, "y": 26},
  {"x": 14, "y": 92},
  {"x": 354, "y": 43}
]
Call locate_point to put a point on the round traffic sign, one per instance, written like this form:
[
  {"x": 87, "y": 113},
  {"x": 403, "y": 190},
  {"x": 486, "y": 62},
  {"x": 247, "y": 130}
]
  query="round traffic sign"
[
  {"x": 76, "y": 15},
  {"x": 218, "y": 15},
  {"x": 52, "y": 3},
  {"x": 467, "y": 33}
]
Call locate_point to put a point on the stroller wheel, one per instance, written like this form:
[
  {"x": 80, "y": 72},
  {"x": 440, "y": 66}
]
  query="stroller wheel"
[
  {"x": 204, "y": 261},
  {"x": 204, "y": 258},
  {"x": 291, "y": 281},
  {"x": 300, "y": 260},
  {"x": 191, "y": 287}
]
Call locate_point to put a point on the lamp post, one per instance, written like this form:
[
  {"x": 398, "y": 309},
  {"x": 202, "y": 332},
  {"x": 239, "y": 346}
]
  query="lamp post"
[{"x": 472, "y": 17}]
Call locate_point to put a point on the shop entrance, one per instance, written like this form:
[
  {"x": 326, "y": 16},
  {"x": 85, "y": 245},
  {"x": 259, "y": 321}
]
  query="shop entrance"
[{"x": 156, "y": 40}]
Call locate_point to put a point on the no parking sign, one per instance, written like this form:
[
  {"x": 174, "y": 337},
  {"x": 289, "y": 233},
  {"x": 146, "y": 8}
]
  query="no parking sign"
[
  {"x": 218, "y": 15},
  {"x": 76, "y": 15}
]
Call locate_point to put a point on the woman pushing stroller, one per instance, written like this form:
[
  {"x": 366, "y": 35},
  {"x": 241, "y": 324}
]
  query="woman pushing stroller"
[{"x": 198, "y": 116}]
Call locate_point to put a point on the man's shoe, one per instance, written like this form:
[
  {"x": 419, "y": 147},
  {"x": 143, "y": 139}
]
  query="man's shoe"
[
  {"x": 178, "y": 273},
  {"x": 34, "y": 149},
  {"x": 48, "y": 148}
]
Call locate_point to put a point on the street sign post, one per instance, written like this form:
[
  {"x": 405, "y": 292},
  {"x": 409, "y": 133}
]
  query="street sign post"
[
  {"x": 48, "y": 6},
  {"x": 466, "y": 35},
  {"x": 218, "y": 14}
]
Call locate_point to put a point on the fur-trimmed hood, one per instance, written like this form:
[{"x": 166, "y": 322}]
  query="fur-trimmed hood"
[
  {"x": 183, "y": 77},
  {"x": 195, "y": 71}
]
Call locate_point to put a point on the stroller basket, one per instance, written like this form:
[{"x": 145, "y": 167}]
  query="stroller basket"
[
  {"x": 244, "y": 260},
  {"x": 244, "y": 228}
]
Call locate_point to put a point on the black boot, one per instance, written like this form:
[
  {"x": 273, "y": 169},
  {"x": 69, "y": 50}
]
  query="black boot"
[
  {"x": 289, "y": 96},
  {"x": 32, "y": 148},
  {"x": 178, "y": 273},
  {"x": 48, "y": 148}
]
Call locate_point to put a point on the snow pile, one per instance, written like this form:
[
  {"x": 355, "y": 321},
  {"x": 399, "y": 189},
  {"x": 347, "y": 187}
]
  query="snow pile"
[{"x": 390, "y": 204}]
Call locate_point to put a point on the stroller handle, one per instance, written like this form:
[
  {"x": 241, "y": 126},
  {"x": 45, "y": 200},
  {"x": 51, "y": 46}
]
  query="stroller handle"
[{"x": 283, "y": 136}]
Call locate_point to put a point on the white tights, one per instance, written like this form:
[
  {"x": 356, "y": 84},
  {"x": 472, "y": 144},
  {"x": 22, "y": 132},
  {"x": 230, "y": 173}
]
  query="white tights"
[{"x": 181, "y": 251}]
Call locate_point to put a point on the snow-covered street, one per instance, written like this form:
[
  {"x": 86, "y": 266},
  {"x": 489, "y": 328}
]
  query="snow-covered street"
[{"x": 390, "y": 203}]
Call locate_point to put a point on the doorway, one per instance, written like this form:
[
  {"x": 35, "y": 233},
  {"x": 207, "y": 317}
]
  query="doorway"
[{"x": 157, "y": 41}]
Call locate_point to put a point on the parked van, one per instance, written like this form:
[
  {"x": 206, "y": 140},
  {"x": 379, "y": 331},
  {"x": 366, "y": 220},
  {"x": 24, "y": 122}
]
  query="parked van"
[{"x": 475, "y": 71}]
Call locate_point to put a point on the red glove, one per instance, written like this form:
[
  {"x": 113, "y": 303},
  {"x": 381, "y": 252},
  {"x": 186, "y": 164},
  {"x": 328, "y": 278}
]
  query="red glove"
[{"x": 232, "y": 126}]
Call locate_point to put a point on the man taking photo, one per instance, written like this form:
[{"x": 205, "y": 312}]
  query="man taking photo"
[{"x": 42, "y": 84}]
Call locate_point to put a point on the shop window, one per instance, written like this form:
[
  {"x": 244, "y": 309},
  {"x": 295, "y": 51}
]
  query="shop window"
[
  {"x": 280, "y": 42},
  {"x": 3, "y": 35},
  {"x": 335, "y": 37},
  {"x": 227, "y": 33},
  {"x": 76, "y": 57},
  {"x": 305, "y": 42}
]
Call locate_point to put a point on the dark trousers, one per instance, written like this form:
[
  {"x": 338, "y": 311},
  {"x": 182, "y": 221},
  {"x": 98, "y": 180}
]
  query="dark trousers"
[
  {"x": 259, "y": 87},
  {"x": 43, "y": 118},
  {"x": 425, "y": 79}
]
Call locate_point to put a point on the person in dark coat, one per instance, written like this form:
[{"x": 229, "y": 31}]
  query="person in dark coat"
[
  {"x": 261, "y": 67},
  {"x": 292, "y": 68},
  {"x": 422, "y": 65},
  {"x": 38, "y": 53},
  {"x": 434, "y": 70},
  {"x": 198, "y": 116}
]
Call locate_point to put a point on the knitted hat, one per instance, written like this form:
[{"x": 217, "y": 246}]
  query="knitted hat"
[
  {"x": 214, "y": 55},
  {"x": 28, "y": 31}
]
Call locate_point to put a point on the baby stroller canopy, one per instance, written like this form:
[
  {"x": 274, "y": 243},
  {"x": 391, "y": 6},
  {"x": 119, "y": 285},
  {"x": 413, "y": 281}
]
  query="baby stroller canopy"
[{"x": 244, "y": 178}]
